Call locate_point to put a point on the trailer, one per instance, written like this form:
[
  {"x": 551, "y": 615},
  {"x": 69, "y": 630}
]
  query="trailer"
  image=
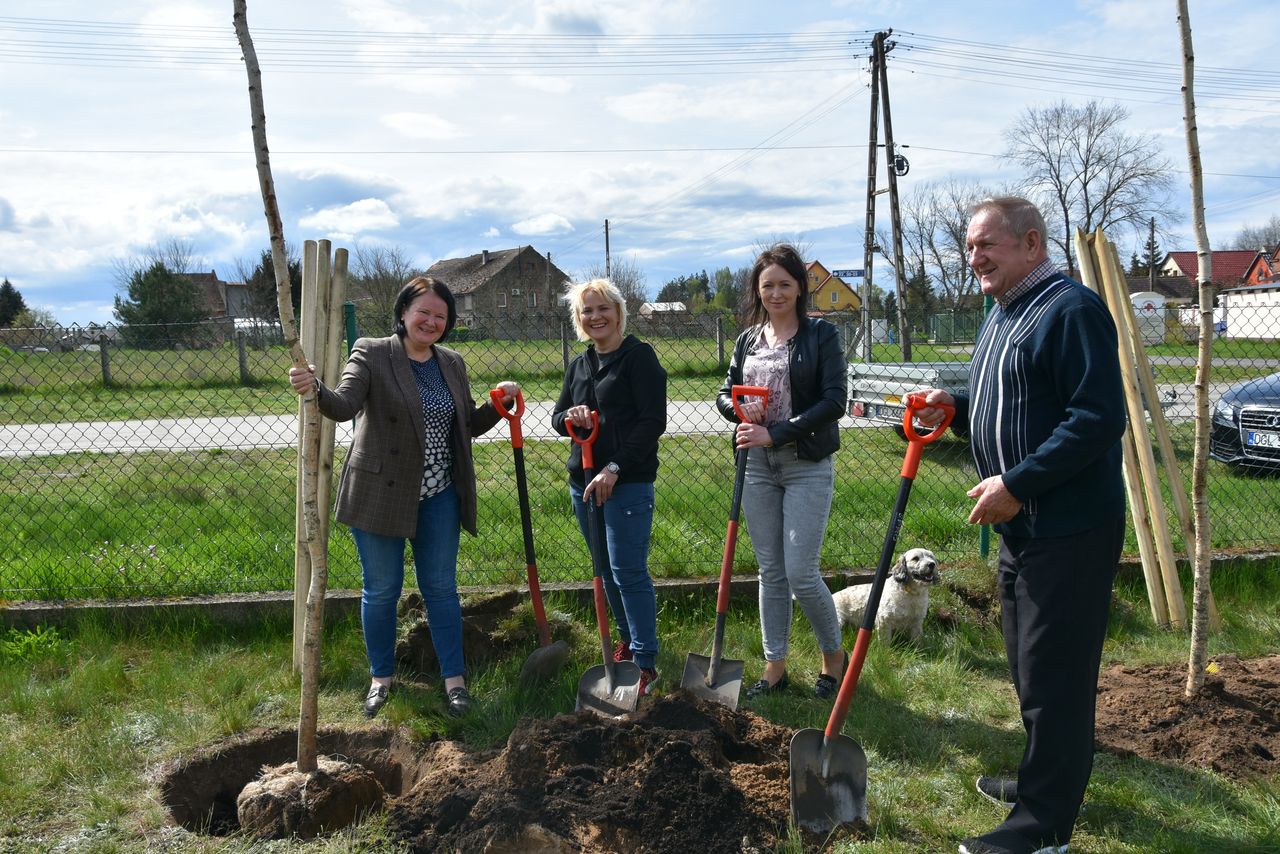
[{"x": 876, "y": 389}]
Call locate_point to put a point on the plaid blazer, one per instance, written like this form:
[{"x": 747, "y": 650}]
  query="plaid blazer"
[{"x": 382, "y": 478}]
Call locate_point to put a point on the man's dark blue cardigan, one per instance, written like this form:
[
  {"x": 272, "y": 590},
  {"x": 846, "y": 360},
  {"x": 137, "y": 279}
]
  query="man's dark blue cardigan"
[{"x": 1046, "y": 408}]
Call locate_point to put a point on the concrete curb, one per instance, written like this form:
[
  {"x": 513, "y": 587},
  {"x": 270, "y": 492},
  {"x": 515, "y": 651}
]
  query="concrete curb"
[{"x": 238, "y": 609}]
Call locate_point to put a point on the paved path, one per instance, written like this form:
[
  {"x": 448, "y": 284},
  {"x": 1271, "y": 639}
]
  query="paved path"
[{"x": 684, "y": 417}]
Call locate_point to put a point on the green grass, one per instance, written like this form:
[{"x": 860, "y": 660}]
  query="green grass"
[
  {"x": 90, "y": 709},
  {"x": 123, "y": 525}
]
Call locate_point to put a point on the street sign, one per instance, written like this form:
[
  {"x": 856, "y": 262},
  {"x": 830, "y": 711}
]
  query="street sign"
[{"x": 849, "y": 274}]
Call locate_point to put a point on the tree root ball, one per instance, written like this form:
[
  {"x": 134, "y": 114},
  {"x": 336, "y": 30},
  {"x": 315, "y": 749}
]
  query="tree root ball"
[{"x": 284, "y": 802}]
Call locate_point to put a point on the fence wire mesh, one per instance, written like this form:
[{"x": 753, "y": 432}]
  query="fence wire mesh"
[{"x": 161, "y": 461}]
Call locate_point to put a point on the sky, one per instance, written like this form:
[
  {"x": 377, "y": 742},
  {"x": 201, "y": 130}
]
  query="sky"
[{"x": 697, "y": 129}]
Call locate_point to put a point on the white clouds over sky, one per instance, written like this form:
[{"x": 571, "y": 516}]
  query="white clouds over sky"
[{"x": 454, "y": 126}]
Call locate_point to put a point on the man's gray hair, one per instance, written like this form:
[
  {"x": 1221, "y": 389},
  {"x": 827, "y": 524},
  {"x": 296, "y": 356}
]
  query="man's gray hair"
[{"x": 1016, "y": 214}]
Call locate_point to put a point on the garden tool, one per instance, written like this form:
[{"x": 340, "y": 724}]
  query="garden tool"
[
  {"x": 546, "y": 661},
  {"x": 829, "y": 770},
  {"x": 611, "y": 689},
  {"x": 716, "y": 678}
]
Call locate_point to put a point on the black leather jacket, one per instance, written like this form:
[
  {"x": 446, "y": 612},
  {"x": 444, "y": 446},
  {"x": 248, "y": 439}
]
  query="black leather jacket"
[{"x": 818, "y": 390}]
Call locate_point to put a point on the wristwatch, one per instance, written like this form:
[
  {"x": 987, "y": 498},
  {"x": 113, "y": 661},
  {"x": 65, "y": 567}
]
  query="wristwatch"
[{"x": 613, "y": 469}]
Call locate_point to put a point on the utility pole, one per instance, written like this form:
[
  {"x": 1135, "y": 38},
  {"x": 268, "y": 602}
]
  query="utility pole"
[
  {"x": 869, "y": 236},
  {"x": 891, "y": 160},
  {"x": 880, "y": 104},
  {"x": 1151, "y": 257},
  {"x": 606, "y": 249}
]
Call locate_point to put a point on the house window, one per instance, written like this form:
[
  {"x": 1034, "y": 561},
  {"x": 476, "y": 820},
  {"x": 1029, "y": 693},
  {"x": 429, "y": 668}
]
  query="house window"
[
  {"x": 502, "y": 299},
  {"x": 533, "y": 299},
  {"x": 466, "y": 302},
  {"x": 835, "y": 298}
]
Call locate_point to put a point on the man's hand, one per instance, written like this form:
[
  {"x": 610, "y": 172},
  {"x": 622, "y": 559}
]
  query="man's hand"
[
  {"x": 995, "y": 503},
  {"x": 932, "y": 414}
]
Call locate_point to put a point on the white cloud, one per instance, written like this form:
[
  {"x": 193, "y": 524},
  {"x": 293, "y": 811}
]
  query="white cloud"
[
  {"x": 348, "y": 220},
  {"x": 554, "y": 85},
  {"x": 422, "y": 126},
  {"x": 491, "y": 231},
  {"x": 542, "y": 225}
]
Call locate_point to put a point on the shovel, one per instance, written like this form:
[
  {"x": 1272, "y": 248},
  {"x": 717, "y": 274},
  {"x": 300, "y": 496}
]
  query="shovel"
[
  {"x": 829, "y": 770},
  {"x": 546, "y": 661},
  {"x": 716, "y": 678},
  {"x": 611, "y": 689}
]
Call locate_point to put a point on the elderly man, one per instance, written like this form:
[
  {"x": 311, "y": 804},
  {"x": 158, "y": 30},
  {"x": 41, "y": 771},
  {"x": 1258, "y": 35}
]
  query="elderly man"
[{"x": 1045, "y": 412}]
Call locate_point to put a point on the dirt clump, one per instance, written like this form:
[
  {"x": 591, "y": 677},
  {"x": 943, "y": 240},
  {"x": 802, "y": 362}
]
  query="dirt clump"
[
  {"x": 285, "y": 802},
  {"x": 679, "y": 774},
  {"x": 1232, "y": 726}
]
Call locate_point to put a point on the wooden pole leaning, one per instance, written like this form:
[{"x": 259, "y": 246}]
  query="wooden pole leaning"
[
  {"x": 1132, "y": 475},
  {"x": 1117, "y": 299},
  {"x": 1160, "y": 427}
]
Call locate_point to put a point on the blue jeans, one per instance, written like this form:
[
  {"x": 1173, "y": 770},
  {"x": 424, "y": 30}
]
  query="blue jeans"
[
  {"x": 435, "y": 562},
  {"x": 628, "y": 521},
  {"x": 786, "y": 501}
]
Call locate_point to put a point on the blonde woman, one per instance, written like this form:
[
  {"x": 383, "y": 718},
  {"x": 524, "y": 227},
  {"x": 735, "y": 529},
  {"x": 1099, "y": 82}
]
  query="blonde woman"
[{"x": 619, "y": 376}]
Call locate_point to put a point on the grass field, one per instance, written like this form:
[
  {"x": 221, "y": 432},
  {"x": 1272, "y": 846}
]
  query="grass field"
[
  {"x": 91, "y": 709},
  {"x": 123, "y": 525}
]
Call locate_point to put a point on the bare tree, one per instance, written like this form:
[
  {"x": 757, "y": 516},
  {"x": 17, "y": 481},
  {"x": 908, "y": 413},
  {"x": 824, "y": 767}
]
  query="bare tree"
[
  {"x": 935, "y": 221},
  {"x": 260, "y": 283},
  {"x": 1201, "y": 562},
  {"x": 1263, "y": 237},
  {"x": 377, "y": 276},
  {"x": 176, "y": 254},
  {"x": 1087, "y": 172},
  {"x": 627, "y": 275}
]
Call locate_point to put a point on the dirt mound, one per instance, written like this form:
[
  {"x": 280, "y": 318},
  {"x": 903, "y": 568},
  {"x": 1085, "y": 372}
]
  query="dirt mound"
[
  {"x": 679, "y": 774},
  {"x": 1233, "y": 726}
]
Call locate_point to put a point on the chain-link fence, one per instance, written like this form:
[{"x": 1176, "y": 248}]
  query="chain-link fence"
[{"x": 163, "y": 463}]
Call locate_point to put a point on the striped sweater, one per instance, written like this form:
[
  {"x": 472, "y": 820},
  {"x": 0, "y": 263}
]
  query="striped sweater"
[{"x": 1046, "y": 408}]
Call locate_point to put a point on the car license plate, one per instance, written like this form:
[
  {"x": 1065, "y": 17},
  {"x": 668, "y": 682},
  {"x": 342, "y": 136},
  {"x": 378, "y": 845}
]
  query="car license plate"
[
  {"x": 885, "y": 411},
  {"x": 1260, "y": 439}
]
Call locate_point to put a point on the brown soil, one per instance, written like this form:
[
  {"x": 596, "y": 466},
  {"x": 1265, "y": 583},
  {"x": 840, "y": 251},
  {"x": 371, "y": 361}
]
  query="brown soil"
[
  {"x": 1232, "y": 726},
  {"x": 679, "y": 774}
]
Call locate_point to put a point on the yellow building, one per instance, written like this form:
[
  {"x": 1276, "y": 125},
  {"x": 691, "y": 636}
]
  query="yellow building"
[{"x": 828, "y": 292}]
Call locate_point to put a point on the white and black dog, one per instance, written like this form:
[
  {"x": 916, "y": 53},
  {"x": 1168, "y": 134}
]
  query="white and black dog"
[{"x": 904, "y": 601}]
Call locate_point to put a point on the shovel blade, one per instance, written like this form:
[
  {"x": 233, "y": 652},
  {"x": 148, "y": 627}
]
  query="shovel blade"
[
  {"x": 544, "y": 663},
  {"x": 610, "y": 700},
  {"x": 828, "y": 782},
  {"x": 728, "y": 683}
]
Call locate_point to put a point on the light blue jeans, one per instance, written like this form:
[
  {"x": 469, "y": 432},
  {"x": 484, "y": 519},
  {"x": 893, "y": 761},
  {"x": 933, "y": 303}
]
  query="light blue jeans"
[
  {"x": 435, "y": 562},
  {"x": 628, "y": 521},
  {"x": 786, "y": 501}
]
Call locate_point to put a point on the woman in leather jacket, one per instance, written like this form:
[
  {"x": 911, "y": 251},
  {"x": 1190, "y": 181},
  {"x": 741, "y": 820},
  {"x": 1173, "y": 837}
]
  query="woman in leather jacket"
[{"x": 790, "y": 474}]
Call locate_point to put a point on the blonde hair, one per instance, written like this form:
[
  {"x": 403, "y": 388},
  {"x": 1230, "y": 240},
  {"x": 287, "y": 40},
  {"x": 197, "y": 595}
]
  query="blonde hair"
[{"x": 576, "y": 295}]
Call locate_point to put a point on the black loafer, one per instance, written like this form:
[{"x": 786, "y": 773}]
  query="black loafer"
[
  {"x": 376, "y": 699},
  {"x": 762, "y": 687},
  {"x": 459, "y": 702},
  {"x": 827, "y": 686}
]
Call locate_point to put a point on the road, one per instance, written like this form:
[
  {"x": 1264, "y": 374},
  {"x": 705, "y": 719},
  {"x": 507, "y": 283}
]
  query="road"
[{"x": 684, "y": 417}]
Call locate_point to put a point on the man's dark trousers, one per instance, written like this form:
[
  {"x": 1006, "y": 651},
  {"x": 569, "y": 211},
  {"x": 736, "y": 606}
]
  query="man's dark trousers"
[{"x": 1055, "y": 596}]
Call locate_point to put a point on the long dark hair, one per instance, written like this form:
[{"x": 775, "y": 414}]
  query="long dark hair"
[
  {"x": 415, "y": 288},
  {"x": 786, "y": 257}
]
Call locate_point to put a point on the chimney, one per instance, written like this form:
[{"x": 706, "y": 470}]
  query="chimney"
[{"x": 484, "y": 257}]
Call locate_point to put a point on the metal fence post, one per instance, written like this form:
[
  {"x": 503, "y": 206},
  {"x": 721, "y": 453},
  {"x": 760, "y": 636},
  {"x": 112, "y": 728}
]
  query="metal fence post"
[
  {"x": 349, "y": 319},
  {"x": 245, "y": 379},
  {"x": 564, "y": 345},
  {"x": 106, "y": 360},
  {"x": 720, "y": 341}
]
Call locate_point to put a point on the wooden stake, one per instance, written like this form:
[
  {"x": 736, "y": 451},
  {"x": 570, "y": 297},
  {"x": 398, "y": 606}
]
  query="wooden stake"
[
  {"x": 1132, "y": 474},
  {"x": 1108, "y": 264}
]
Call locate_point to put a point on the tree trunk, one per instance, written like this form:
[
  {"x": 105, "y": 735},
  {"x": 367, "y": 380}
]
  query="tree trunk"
[
  {"x": 1199, "y": 476},
  {"x": 311, "y": 412}
]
